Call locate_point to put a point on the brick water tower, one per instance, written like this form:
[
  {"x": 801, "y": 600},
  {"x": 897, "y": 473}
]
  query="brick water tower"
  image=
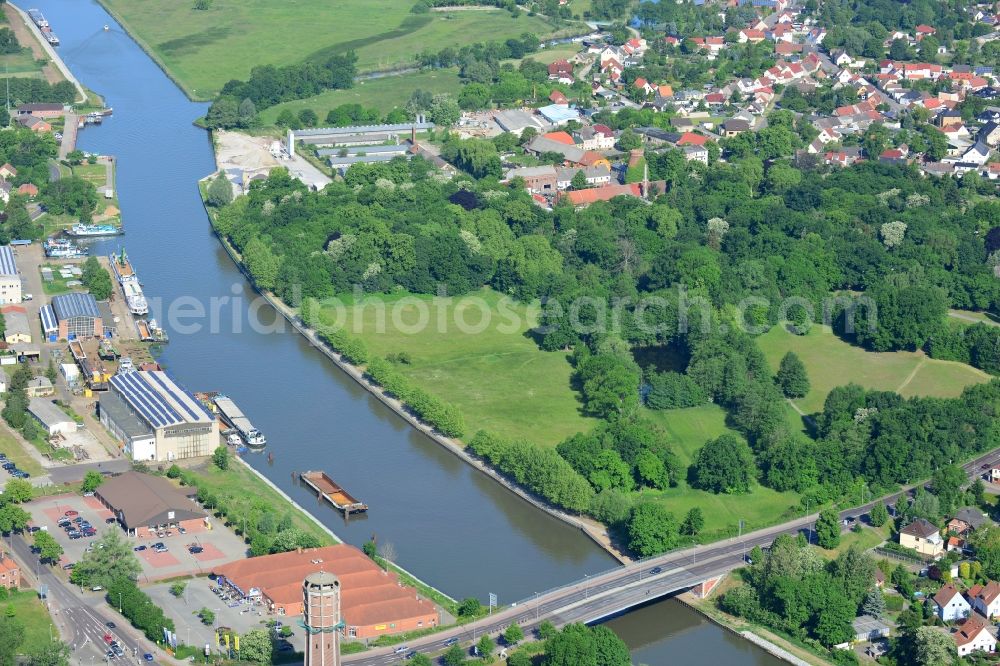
[{"x": 321, "y": 619}]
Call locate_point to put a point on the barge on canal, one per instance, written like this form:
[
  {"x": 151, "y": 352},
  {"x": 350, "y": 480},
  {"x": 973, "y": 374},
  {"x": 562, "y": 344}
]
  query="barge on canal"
[
  {"x": 234, "y": 417},
  {"x": 325, "y": 487}
]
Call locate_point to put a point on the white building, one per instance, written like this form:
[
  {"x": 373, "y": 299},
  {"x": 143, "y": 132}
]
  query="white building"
[
  {"x": 10, "y": 279},
  {"x": 951, "y": 605},
  {"x": 54, "y": 420}
]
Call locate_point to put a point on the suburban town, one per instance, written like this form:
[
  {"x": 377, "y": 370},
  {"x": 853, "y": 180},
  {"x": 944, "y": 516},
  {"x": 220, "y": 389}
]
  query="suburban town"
[{"x": 731, "y": 395}]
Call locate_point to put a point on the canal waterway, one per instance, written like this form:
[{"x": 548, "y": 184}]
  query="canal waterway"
[{"x": 452, "y": 527}]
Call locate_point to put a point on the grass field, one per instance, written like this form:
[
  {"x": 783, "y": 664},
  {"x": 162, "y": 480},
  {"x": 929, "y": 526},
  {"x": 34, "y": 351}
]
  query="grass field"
[
  {"x": 22, "y": 65},
  {"x": 32, "y": 614},
  {"x": 204, "y": 49},
  {"x": 16, "y": 453},
  {"x": 383, "y": 94},
  {"x": 831, "y": 362},
  {"x": 688, "y": 430},
  {"x": 498, "y": 377}
]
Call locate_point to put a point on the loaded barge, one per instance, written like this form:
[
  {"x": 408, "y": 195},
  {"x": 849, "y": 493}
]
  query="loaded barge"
[
  {"x": 234, "y": 417},
  {"x": 324, "y": 486}
]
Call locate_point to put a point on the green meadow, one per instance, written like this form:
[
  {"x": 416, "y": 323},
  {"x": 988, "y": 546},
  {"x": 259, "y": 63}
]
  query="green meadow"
[
  {"x": 831, "y": 362},
  {"x": 203, "y": 49}
]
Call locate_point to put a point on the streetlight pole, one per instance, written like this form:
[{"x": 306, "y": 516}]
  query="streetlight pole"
[{"x": 120, "y": 603}]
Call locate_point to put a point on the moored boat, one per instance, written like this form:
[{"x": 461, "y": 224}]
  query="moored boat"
[{"x": 93, "y": 230}]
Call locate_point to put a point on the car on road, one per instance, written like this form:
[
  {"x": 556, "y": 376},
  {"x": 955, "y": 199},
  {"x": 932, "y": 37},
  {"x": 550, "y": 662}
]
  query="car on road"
[
  {"x": 402, "y": 649},
  {"x": 108, "y": 638},
  {"x": 111, "y": 655},
  {"x": 109, "y": 625},
  {"x": 656, "y": 570},
  {"x": 139, "y": 549},
  {"x": 69, "y": 566},
  {"x": 148, "y": 656},
  {"x": 119, "y": 652},
  {"x": 34, "y": 528},
  {"x": 412, "y": 655},
  {"x": 450, "y": 642},
  {"x": 182, "y": 530}
]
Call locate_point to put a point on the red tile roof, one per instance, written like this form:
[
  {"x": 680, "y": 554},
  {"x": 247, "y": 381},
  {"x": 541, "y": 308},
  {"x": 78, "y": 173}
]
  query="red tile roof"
[
  {"x": 561, "y": 137},
  {"x": 605, "y": 193},
  {"x": 969, "y": 630},
  {"x": 945, "y": 594},
  {"x": 691, "y": 139}
]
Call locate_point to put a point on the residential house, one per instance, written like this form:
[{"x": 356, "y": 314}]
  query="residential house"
[
  {"x": 595, "y": 137},
  {"x": 976, "y": 155},
  {"x": 5, "y": 190},
  {"x": 967, "y": 520},
  {"x": 895, "y": 155},
  {"x": 7, "y": 171},
  {"x": 923, "y": 537},
  {"x": 28, "y": 190},
  {"x": 974, "y": 636},
  {"x": 751, "y": 35},
  {"x": 734, "y": 127},
  {"x": 558, "y": 98},
  {"x": 924, "y": 30},
  {"x": 695, "y": 154},
  {"x": 989, "y": 134},
  {"x": 561, "y": 70},
  {"x": 844, "y": 157},
  {"x": 950, "y": 605},
  {"x": 10, "y": 573},
  {"x": 985, "y": 599}
]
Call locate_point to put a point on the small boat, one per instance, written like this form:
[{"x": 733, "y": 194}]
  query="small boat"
[
  {"x": 106, "y": 27},
  {"x": 85, "y": 230}
]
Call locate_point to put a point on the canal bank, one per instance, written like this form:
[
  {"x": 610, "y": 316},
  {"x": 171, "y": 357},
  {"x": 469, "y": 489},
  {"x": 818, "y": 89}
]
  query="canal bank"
[{"x": 451, "y": 525}]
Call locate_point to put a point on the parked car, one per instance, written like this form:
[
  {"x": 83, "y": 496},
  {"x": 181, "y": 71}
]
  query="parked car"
[
  {"x": 139, "y": 549},
  {"x": 75, "y": 535},
  {"x": 72, "y": 513},
  {"x": 110, "y": 521},
  {"x": 96, "y": 588},
  {"x": 148, "y": 656},
  {"x": 194, "y": 550},
  {"x": 69, "y": 566}
]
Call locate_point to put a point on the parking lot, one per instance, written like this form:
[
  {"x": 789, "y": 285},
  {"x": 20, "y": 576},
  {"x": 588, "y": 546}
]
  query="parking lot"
[
  {"x": 197, "y": 595},
  {"x": 217, "y": 545}
]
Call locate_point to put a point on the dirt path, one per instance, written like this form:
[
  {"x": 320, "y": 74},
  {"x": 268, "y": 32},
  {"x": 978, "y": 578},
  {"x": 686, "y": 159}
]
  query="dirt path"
[
  {"x": 913, "y": 373},
  {"x": 974, "y": 320}
]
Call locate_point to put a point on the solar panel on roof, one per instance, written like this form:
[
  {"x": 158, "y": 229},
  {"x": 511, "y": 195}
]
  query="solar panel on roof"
[
  {"x": 179, "y": 399},
  {"x": 7, "y": 264},
  {"x": 152, "y": 406}
]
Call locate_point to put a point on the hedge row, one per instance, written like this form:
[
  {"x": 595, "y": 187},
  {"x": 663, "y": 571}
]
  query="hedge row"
[{"x": 540, "y": 469}]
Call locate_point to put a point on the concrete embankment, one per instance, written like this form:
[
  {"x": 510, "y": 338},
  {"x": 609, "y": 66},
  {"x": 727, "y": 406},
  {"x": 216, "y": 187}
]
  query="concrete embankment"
[{"x": 593, "y": 530}]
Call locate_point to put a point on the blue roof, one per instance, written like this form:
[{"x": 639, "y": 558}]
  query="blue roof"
[
  {"x": 67, "y": 306},
  {"x": 555, "y": 113},
  {"x": 158, "y": 400},
  {"x": 49, "y": 323},
  {"x": 7, "y": 264}
]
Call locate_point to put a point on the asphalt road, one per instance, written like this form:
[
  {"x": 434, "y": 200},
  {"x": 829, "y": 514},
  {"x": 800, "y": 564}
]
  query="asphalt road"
[
  {"x": 80, "y": 617},
  {"x": 614, "y": 591}
]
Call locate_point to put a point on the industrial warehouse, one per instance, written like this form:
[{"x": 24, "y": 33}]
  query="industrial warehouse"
[
  {"x": 373, "y": 602},
  {"x": 157, "y": 420},
  {"x": 77, "y": 316}
]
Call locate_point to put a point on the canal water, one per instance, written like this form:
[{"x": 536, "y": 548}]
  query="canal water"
[{"x": 452, "y": 527}]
